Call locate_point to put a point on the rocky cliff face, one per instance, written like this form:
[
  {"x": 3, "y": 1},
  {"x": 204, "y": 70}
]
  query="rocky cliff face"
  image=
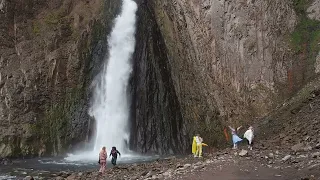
[
  {"x": 199, "y": 65},
  {"x": 156, "y": 120},
  {"x": 50, "y": 50},
  {"x": 227, "y": 62}
]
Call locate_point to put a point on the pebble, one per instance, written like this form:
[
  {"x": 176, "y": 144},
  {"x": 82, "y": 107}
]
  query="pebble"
[
  {"x": 243, "y": 153},
  {"x": 186, "y": 166},
  {"x": 315, "y": 155},
  {"x": 287, "y": 157},
  {"x": 271, "y": 155}
]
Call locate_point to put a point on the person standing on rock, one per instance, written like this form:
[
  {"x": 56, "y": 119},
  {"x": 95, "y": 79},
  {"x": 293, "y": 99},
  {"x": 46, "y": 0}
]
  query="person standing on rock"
[
  {"x": 102, "y": 160},
  {"x": 235, "y": 137},
  {"x": 199, "y": 146},
  {"x": 114, "y": 153},
  {"x": 249, "y": 135}
]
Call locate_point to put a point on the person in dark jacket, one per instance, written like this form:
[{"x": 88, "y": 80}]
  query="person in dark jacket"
[{"x": 114, "y": 153}]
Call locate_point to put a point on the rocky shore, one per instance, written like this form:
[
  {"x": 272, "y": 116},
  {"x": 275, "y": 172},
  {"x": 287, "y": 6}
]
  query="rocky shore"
[{"x": 267, "y": 163}]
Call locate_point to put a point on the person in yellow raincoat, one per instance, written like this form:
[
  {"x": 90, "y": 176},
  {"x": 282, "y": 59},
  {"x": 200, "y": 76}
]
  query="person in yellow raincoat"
[{"x": 194, "y": 146}]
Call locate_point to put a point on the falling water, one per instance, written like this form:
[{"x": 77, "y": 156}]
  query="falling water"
[
  {"x": 110, "y": 105},
  {"x": 110, "y": 101}
]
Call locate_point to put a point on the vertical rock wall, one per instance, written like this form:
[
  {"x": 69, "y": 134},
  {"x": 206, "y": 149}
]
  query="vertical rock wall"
[
  {"x": 230, "y": 61},
  {"x": 49, "y": 52},
  {"x": 157, "y": 123}
]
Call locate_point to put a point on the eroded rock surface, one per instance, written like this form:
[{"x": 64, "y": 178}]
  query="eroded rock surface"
[
  {"x": 228, "y": 62},
  {"x": 49, "y": 51}
]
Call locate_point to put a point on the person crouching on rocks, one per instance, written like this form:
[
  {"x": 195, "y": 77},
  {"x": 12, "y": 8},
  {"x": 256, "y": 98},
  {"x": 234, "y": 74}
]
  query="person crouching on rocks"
[
  {"x": 235, "y": 137},
  {"x": 199, "y": 146},
  {"x": 102, "y": 160},
  {"x": 249, "y": 135},
  {"x": 114, "y": 153}
]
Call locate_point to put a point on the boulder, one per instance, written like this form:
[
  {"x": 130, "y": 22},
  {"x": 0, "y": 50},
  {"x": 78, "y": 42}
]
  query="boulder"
[{"x": 243, "y": 153}]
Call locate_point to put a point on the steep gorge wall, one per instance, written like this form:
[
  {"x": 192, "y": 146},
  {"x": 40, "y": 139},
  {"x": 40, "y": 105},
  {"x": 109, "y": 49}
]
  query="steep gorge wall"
[
  {"x": 50, "y": 51},
  {"x": 229, "y": 62},
  {"x": 198, "y": 66},
  {"x": 156, "y": 121}
]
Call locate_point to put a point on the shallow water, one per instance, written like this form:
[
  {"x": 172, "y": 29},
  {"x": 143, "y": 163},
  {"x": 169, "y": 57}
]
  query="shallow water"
[{"x": 40, "y": 168}]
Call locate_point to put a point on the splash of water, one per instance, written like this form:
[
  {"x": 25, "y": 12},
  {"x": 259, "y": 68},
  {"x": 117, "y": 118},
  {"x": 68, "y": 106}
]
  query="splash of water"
[{"x": 110, "y": 102}]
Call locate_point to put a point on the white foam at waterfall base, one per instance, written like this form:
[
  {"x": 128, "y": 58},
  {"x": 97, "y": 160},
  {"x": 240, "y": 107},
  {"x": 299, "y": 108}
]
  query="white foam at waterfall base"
[{"x": 110, "y": 102}]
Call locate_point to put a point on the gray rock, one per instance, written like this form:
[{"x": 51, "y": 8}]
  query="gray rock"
[
  {"x": 307, "y": 138},
  {"x": 28, "y": 178},
  {"x": 315, "y": 155},
  {"x": 179, "y": 166},
  {"x": 287, "y": 157},
  {"x": 243, "y": 153},
  {"x": 271, "y": 155},
  {"x": 298, "y": 147},
  {"x": 186, "y": 166},
  {"x": 302, "y": 156},
  {"x": 314, "y": 166},
  {"x": 307, "y": 148},
  {"x": 167, "y": 173}
]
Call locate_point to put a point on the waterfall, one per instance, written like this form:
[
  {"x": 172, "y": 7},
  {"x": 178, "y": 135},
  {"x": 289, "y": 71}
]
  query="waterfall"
[
  {"x": 110, "y": 102},
  {"x": 110, "y": 99}
]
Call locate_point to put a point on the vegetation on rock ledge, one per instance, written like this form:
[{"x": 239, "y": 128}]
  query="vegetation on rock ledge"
[{"x": 306, "y": 36}]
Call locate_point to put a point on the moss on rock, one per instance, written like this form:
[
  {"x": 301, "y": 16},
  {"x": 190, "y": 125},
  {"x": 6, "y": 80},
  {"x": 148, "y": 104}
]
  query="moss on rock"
[
  {"x": 54, "y": 128},
  {"x": 306, "y": 36}
]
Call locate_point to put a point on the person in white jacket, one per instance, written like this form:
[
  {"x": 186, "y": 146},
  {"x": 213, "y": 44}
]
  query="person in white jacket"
[
  {"x": 199, "y": 146},
  {"x": 249, "y": 135}
]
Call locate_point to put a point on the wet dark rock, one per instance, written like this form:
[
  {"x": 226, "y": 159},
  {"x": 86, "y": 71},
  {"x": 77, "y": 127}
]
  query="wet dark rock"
[
  {"x": 5, "y": 161},
  {"x": 156, "y": 119},
  {"x": 144, "y": 173}
]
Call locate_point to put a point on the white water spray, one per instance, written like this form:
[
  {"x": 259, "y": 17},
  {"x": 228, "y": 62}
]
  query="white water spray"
[
  {"x": 110, "y": 106},
  {"x": 110, "y": 102}
]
